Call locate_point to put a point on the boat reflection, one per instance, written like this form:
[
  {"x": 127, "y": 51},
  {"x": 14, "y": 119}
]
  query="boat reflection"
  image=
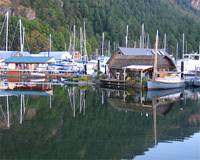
[
  {"x": 19, "y": 91},
  {"x": 143, "y": 100}
]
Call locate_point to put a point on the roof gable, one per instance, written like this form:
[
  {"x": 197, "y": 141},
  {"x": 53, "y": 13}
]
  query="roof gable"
[
  {"x": 141, "y": 51},
  {"x": 8, "y": 54}
]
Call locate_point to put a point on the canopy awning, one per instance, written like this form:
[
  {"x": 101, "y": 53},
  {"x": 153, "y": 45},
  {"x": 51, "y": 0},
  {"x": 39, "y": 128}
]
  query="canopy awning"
[{"x": 138, "y": 67}]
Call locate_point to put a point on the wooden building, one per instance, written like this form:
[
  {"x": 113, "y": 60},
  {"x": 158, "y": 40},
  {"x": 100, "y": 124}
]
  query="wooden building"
[
  {"x": 27, "y": 65},
  {"x": 128, "y": 62}
]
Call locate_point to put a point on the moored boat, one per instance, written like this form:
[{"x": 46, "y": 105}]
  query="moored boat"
[
  {"x": 166, "y": 80},
  {"x": 166, "y": 83}
]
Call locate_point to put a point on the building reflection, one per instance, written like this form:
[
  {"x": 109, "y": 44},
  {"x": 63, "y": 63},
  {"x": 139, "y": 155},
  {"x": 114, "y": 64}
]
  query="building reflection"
[{"x": 148, "y": 103}]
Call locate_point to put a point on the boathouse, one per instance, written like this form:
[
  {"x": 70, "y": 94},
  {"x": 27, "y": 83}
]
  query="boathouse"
[
  {"x": 28, "y": 63},
  {"x": 132, "y": 62},
  {"x": 7, "y": 54}
]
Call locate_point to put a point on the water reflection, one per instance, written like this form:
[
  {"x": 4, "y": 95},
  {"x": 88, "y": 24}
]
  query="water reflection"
[
  {"x": 77, "y": 97},
  {"x": 19, "y": 91},
  {"x": 43, "y": 121}
]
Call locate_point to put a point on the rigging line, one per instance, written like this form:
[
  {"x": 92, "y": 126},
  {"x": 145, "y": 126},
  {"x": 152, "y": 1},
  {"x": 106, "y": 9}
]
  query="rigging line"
[
  {"x": 14, "y": 35},
  {"x": 26, "y": 41},
  {"x": 3, "y": 25}
]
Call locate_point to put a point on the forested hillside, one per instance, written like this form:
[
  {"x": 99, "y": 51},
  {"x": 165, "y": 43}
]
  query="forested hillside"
[{"x": 110, "y": 16}]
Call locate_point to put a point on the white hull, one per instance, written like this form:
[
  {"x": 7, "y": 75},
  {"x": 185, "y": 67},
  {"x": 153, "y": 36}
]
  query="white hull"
[
  {"x": 38, "y": 74},
  {"x": 165, "y": 84}
]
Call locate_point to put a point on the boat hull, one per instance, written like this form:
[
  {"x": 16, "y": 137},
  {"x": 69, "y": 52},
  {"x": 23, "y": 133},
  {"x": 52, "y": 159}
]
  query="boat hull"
[
  {"x": 151, "y": 85},
  {"x": 196, "y": 82}
]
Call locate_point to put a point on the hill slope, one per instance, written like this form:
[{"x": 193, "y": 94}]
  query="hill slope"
[{"x": 110, "y": 16}]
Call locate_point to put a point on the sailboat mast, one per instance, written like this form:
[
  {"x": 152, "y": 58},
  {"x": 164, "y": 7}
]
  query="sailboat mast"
[
  {"x": 147, "y": 41},
  {"x": 143, "y": 35},
  {"x": 23, "y": 37},
  {"x": 126, "y": 36},
  {"x": 20, "y": 35},
  {"x": 155, "y": 58},
  {"x": 102, "y": 47},
  {"x": 183, "y": 45},
  {"x": 49, "y": 45},
  {"x": 109, "y": 48},
  {"x": 85, "y": 42},
  {"x": 177, "y": 47},
  {"x": 7, "y": 20},
  {"x": 81, "y": 41},
  {"x": 74, "y": 38},
  {"x": 165, "y": 42},
  {"x": 199, "y": 48},
  {"x": 70, "y": 43}
]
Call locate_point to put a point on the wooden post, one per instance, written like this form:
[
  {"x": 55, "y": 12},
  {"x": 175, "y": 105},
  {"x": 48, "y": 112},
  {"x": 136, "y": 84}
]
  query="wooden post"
[
  {"x": 124, "y": 74},
  {"x": 98, "y": 65},
  {"x": 182, "y": 69},
  {"x": 85, "y": 68}
]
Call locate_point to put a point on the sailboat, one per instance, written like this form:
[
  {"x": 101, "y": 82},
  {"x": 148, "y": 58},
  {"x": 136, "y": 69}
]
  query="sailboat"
[{"x": 168, "y": 80}]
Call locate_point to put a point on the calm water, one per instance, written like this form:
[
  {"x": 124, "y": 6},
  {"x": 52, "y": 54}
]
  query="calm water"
[{"x": 68, "y": 122}]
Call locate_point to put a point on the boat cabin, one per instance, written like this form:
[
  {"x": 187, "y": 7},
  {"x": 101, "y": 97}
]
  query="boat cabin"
[{"x": 58, "y": 55}]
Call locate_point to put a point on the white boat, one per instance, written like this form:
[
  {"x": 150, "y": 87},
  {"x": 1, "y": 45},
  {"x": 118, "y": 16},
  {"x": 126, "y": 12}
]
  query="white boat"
[
  {"x": 191, "y": 64},
  {"x": 166, "y": 83},
  {"x": 196, "y": 82},
  {"x": 167, "y": 80},
  {"x": 91, "y": 67},
  {"x": 103, "y": 62}
]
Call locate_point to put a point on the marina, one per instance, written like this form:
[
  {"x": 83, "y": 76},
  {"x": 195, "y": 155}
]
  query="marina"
[{"x": 99, "y": 80}]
